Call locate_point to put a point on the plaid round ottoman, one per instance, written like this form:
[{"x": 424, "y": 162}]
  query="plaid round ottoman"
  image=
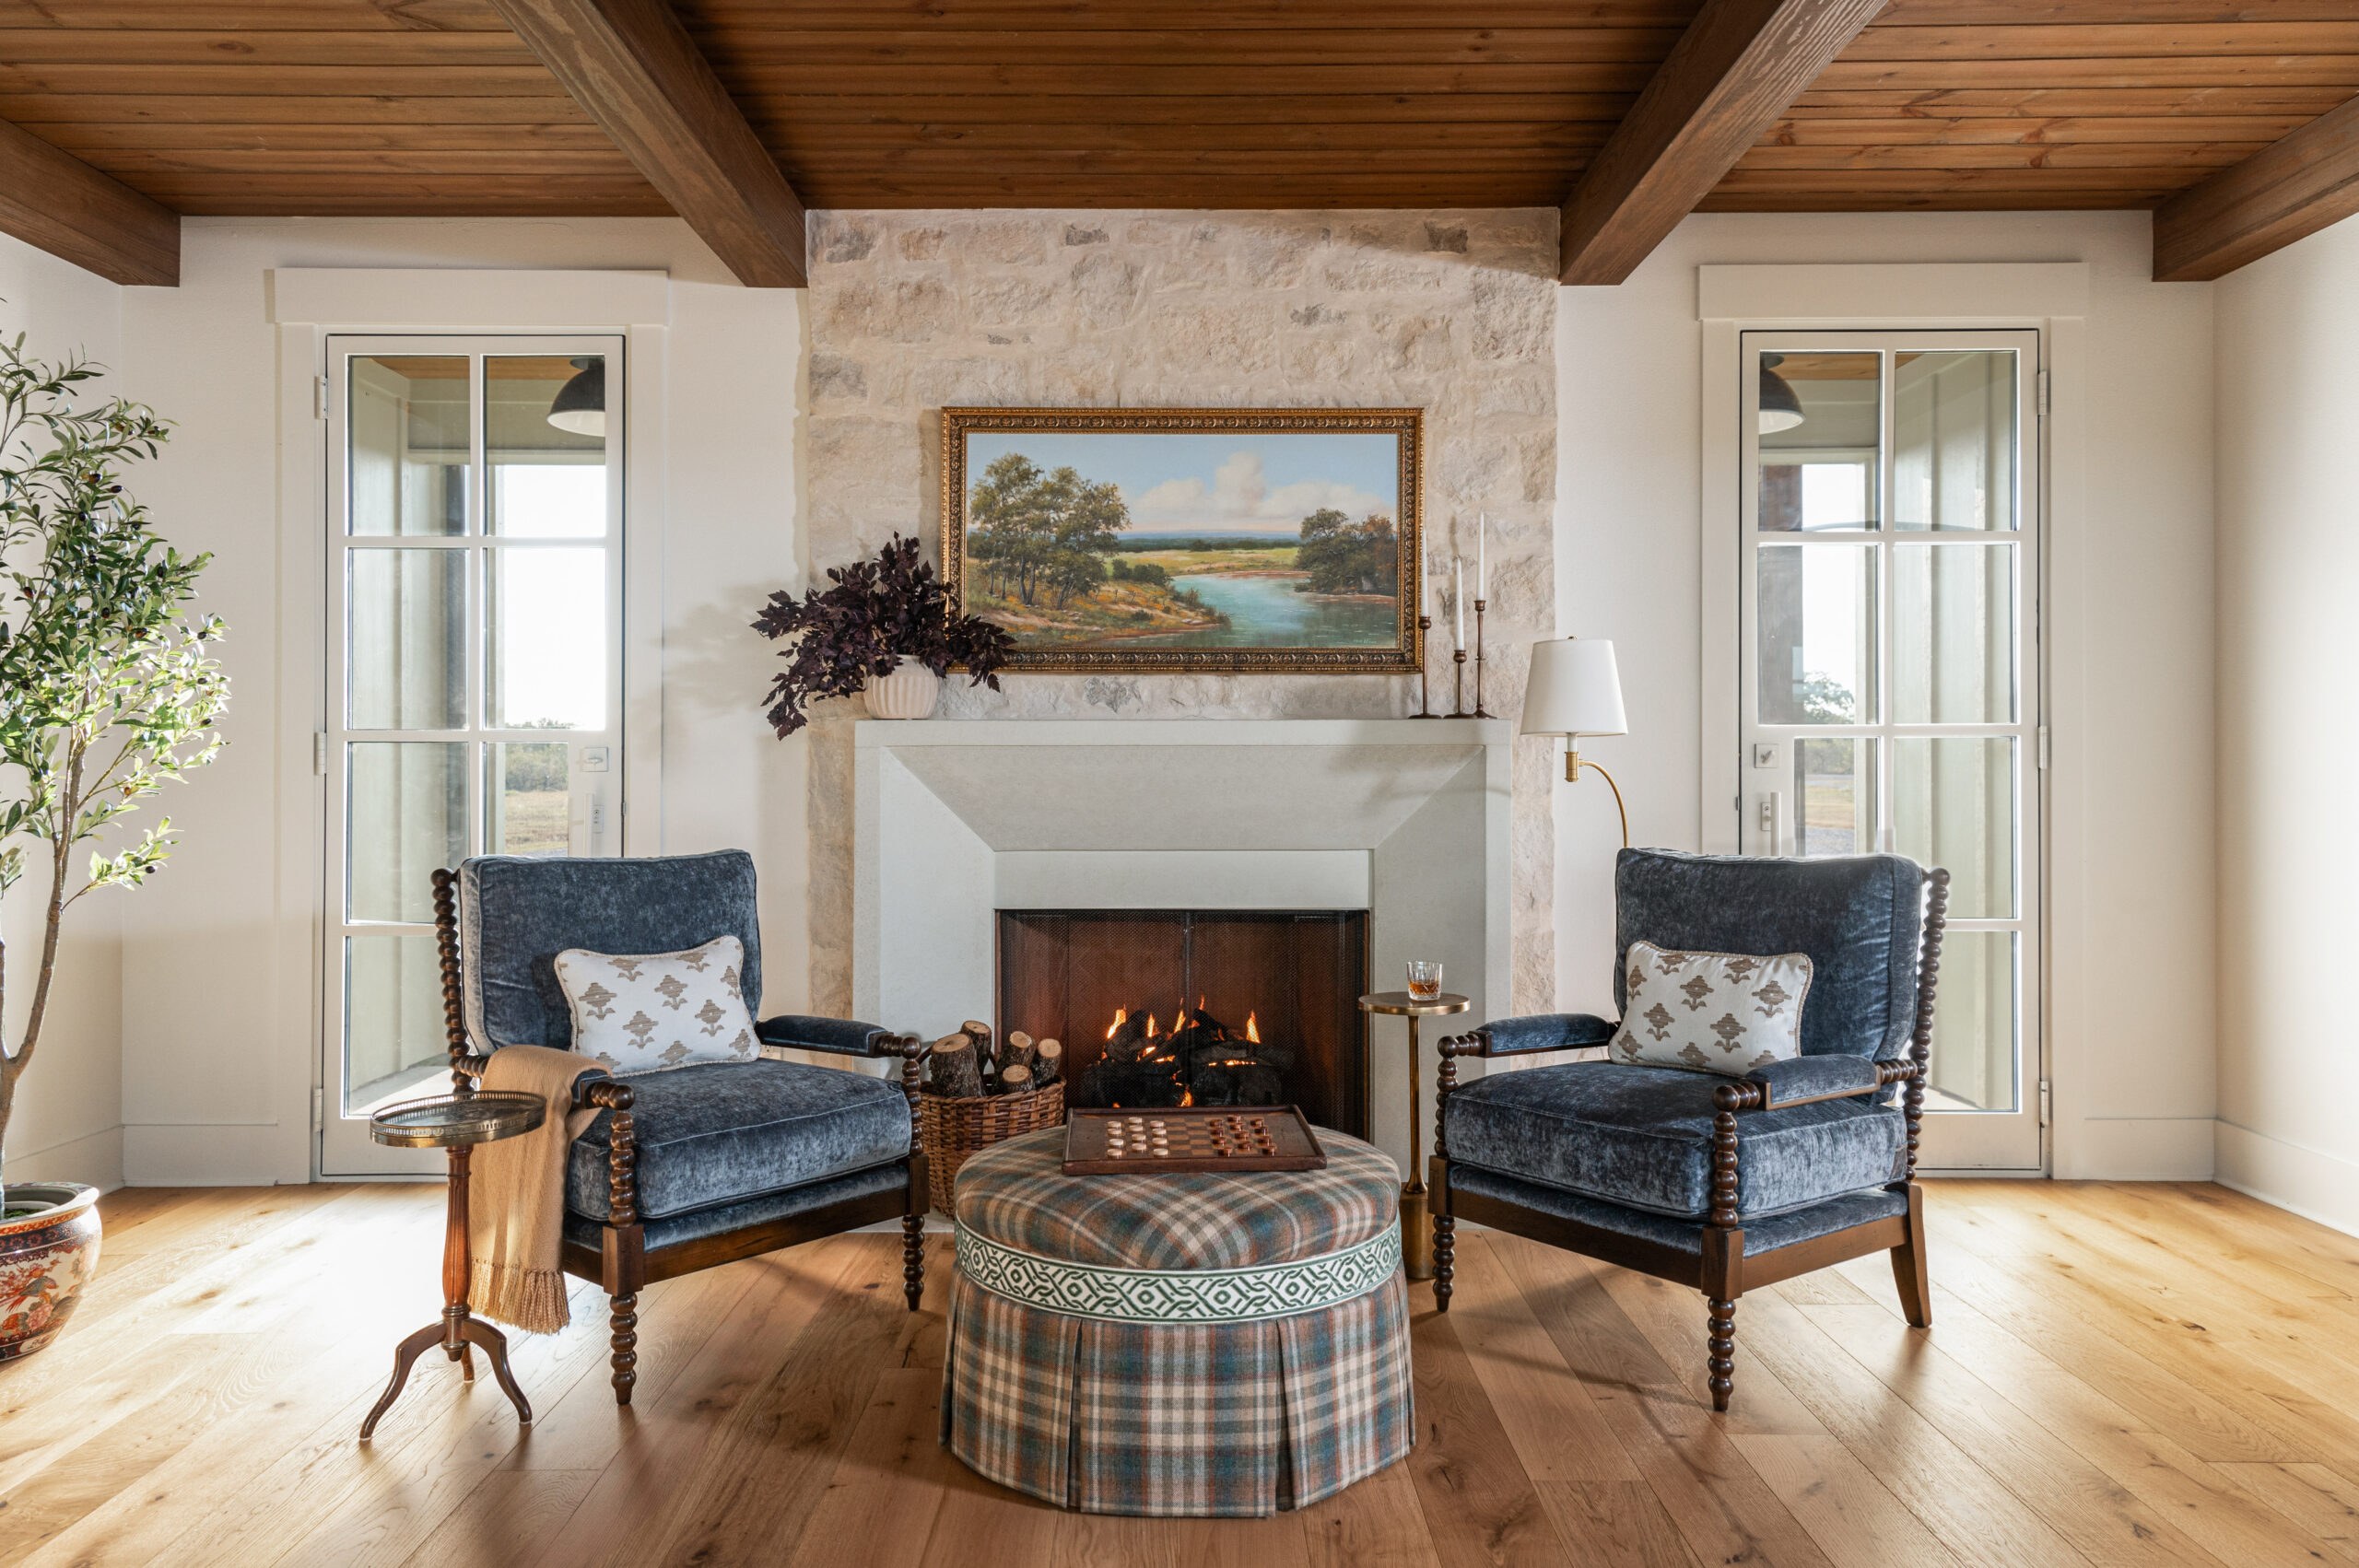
[{"x": 1178, "y": 1344}]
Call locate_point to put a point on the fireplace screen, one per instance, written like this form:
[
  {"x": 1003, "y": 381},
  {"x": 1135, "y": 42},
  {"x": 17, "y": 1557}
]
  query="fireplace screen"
[{"x": 1196, "y": 1007}]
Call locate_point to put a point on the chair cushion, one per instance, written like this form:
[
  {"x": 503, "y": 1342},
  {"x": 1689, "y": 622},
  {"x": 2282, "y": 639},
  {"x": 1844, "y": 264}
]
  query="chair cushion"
[
  {"x": 720, "y": 1132},
  {"x": 517, "y": 913},
  {"x": 1859, "y": 917},
  {"x": 1642, "y": 1136}
]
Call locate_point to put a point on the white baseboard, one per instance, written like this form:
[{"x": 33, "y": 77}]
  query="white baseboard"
[
  {"x": 96, "y": 1161},
  {"x": 2135, "y": 1148},
  {"x": 227, "y": 1155},
  {"x": 2308, "y": 1182}
]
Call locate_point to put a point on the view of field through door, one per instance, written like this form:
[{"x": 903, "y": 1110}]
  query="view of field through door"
[
  {"x": 475, "y": 573},
  {"x": 1889, "y": 682}
]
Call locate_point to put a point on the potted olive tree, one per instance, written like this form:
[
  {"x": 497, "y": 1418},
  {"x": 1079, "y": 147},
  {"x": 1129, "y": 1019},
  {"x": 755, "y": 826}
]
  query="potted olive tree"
[
  {"x": 884, "y": 629},
  {"x": 107, "y": 692}
]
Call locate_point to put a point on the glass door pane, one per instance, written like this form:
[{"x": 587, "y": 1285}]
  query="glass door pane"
[
  {"x": 1887, "y": 695},
  {"x": 476, "y": 595}
]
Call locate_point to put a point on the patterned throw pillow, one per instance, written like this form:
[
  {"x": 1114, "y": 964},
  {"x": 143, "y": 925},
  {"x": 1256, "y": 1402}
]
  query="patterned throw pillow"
[
  {"x": 1711, "y": 1012},
  {"x": 655, "y": 1011}
]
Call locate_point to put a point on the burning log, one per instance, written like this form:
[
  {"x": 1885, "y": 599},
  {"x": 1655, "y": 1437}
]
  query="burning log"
[
  {"x": 1258, "y": 1084},
  {"x": 1127, "y": 1039}
]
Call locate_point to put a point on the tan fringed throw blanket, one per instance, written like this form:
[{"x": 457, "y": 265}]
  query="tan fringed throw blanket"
[{"x": 516, "y": 1210}]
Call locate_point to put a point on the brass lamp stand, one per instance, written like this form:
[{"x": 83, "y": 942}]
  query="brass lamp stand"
[
  {"x": 1417, "y": 1220},
  {"x": 1573, "y": 766}
]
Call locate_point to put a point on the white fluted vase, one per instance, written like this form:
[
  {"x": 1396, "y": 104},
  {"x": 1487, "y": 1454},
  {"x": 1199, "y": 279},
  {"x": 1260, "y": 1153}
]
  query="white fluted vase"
[{"x": 910, "y": 692}]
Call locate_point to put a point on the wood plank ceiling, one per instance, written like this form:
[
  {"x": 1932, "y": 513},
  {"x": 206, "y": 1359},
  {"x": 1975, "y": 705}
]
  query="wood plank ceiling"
[{"x": 431, "y": 106}]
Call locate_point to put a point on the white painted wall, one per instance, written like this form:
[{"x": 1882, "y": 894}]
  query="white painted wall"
[
  {"x": 2288, "y": 340},
  {"x": 219, "y": 1052},
  {"x": 68, "y": 1120},
  {"x": 217, "y": 1046},
  {"x": 2130, "y": 652}
]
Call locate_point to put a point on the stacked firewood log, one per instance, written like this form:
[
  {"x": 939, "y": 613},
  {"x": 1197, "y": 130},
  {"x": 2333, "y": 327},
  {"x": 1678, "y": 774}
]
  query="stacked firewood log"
[{"x": 966, "y": 1064}]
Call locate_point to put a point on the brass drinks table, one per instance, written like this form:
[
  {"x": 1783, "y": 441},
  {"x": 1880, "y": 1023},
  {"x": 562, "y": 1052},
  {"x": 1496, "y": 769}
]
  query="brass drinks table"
[
  {"x": 457, "y": 1123},
  {"x": 1416, "y": 1223}
]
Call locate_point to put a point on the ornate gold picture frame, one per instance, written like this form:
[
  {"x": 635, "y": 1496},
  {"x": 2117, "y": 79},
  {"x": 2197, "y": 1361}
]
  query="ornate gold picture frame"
[{"x": 1169, "y": 539}]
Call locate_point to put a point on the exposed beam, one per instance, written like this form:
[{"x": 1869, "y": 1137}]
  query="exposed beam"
[
  {"x": 53, "y": 200},
  {"x": 1740, "y": 65},
  {"x": 2292, "y": 188},
  {"x": 632, "y": 67}
]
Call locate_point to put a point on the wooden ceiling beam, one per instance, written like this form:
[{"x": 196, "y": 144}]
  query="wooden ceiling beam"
[
  {"x": 2285, "y": 191},
  {"x": 632, "y": 67},
  {"x": 1738, "y": 67},
  {"x": 52, "y": 200}
]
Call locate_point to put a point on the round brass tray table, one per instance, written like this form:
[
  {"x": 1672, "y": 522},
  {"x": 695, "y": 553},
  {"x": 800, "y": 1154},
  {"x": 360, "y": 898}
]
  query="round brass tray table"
[
  {"x": 1416, "y": 1222},
  {"x": 456, "y": 1123}
]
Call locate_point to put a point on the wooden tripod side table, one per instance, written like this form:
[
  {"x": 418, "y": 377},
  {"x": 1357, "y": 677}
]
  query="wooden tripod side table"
[
  {"x": 457, "y": 1123},
  {"x": 1416, "y": 1222}
]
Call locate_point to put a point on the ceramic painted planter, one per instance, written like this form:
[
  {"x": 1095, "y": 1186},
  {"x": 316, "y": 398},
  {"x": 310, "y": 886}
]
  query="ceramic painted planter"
[
  {"x": 910, "y": 692},
  {"x": 46, "y": 1259}
]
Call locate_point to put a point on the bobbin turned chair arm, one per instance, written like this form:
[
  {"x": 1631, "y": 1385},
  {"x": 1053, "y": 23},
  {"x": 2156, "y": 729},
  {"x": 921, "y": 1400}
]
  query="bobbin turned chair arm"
[
  {"x": 1539, "y": 1032},
  {"x": 838, "y": 1037},
  {"x": 1808, "y": 1079}
]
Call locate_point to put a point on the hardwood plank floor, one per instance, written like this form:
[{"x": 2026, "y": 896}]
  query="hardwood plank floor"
[{"x": 2117, "y": 1374}]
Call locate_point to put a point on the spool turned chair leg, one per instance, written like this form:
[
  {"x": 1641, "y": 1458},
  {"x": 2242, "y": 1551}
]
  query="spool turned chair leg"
[
  {"x": 913, "y": 1257},
  {"x": 1445, "y": 1260},
  {"x": 625, "y": 1323},
  {"x": 1723, "y": 1357}
]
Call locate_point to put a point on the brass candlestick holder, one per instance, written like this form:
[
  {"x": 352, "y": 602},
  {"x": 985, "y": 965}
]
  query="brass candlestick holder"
[
  {"x": 1425, "y": 680},
  {"x": 1458, "y": 697},
  {"x": 1479, "y": 711}
]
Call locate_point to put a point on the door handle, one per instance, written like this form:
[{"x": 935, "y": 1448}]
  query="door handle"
[{"x": 1769, "y": 821}]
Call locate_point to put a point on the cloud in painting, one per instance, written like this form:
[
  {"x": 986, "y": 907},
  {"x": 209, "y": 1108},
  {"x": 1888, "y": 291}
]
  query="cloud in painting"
[{"x": 1240, "y": 498}]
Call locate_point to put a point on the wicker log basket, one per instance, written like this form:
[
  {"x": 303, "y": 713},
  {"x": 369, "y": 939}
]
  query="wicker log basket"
[{"x": 957, "y": 1127}]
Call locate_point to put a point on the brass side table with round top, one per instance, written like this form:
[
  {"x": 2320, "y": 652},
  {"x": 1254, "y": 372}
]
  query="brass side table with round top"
[
  {"x": 456, "y": 1123},
  {"x": 1417, "y": 1225}
]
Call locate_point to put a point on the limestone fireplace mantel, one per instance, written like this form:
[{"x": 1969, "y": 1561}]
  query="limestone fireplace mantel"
[{"x": 958, "y": 819}]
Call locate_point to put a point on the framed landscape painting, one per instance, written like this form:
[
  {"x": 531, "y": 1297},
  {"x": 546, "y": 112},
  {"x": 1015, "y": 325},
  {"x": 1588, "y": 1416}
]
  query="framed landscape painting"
[{"x": 1188, "y": 539}]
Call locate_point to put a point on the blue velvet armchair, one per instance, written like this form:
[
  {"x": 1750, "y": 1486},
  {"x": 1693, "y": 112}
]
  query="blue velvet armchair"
[
  {"x": 701, "y": 1165},
  {"x": 1717, "y": 1182}
]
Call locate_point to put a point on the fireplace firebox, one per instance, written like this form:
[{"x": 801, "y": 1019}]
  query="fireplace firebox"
[{"x": 1196, "y": 1007}]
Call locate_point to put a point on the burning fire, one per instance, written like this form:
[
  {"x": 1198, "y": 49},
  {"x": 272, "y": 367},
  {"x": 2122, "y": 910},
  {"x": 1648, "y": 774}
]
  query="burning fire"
[
  {"x": 1121, "y": 1016},
  {"x": 1252, "y": 1032}
]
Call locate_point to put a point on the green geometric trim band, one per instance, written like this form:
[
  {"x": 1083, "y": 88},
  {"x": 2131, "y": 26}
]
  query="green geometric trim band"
[{"x": 1158, "y": 1296}]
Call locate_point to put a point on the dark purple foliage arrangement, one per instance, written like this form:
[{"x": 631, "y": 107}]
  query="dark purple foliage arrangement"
[{"x": 878, "y": 613}]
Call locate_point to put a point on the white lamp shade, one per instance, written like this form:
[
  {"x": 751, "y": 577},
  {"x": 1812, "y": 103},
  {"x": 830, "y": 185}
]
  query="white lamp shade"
[{"x": 1575, "y": 690}]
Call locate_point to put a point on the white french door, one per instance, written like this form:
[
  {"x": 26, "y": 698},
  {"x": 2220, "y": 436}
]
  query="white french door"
[
  {"x": 474, "y": 660},
  {"x": 1889, "y": 680}
]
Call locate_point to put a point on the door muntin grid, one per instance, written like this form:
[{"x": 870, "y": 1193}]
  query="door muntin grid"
[
  {"x": 1889, "y": 682},
  {"x": 474, "y": 618}
]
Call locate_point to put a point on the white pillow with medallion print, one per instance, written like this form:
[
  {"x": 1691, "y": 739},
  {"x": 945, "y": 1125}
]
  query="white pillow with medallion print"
[
  {"x": 1711, "y": 1012},
  {"x": 650, "y": 1011}
]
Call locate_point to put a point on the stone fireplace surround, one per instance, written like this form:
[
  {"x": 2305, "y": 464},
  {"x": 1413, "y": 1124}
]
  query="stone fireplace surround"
[
  {"x": 1450, "y": 312},
  {"x": 958, "y": 819}
]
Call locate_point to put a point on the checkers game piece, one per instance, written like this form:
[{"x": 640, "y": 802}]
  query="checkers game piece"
[{"x": 1190, "y": 1139}]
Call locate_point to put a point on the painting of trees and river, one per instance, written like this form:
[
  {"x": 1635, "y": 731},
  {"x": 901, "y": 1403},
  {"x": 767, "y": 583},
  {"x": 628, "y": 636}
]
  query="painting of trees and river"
[{"x": 1184, "y": 541}]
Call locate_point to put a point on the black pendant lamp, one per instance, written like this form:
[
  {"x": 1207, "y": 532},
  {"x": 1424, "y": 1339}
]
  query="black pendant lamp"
[
  {"x": 580, "y": 404},
  {"x": 1780, "y": 409}
]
